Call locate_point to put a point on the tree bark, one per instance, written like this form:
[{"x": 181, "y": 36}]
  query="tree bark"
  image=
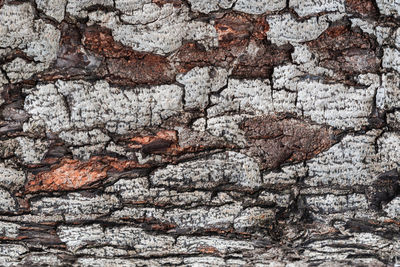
[{"x": 199, "y": 133}]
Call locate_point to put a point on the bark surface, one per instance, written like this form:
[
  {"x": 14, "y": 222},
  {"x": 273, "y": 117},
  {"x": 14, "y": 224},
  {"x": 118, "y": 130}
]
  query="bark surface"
[{"x": 199, "y": 132}]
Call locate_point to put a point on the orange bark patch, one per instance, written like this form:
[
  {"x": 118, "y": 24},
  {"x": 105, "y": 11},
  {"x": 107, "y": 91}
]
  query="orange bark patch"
[
  {"x": 163, "y": 227},
  {"x": 98, "y": 55},
  {"x": 125, "y": 65},
  {"x": 208, "y": 250},
  {"x": 236, "y": 32},
  {"x": 336, "y": 31},
  {"x": 233, "y": 29},
  {"x": 363, "y": 7},
  {"x": 18, "y": 238},
  {"x": 74, "y": 174},
  {"x": 164, "y": 142},
  {"x": 261, "y": 28},
  {"x": 237, "y": 29},
  {"x": 139, "y": 141},
  {"x": 233, "y": 53},
  {"x": 93, "y": 52},
  {"x": 392, "y": 221}
]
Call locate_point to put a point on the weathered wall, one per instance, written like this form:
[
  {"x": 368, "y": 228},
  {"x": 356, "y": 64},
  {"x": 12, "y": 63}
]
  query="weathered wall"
[{"x": 208, "y": 132}]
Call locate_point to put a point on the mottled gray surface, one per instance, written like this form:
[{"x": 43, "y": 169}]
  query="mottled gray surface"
[{"x": 244, "y": 133}]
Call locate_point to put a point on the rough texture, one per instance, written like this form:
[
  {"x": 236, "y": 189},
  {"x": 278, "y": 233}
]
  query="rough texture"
[{"x": 199, "y": 133}]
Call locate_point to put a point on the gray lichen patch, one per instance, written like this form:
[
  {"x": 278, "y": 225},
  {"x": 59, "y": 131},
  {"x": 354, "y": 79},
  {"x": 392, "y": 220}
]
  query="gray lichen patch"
[
  {"x": 44, "y": 46},
  {"x": 388, "y": 147},
  {"x": 195, "y": 219},
  {"x": 139, "y": 191},
  {"x": 8, "y": 203},
  {"x": 128, "y": 237},
  {"x": 10, "y": 177},
  {"x": 223, "y": 246},
  {"x": 11, "y": 254},
  {"x": 230, "y": 168},
  {"x": 284, "y": 28},
  {"x": 227, "y": 127},
  {"x": 373, "y": 243},
  {"x": 287, "y": 175},
  {"x": 75, "y": 206},
  {"x": 207, "y": 6},
  {"x": 251, "y": 96},
  {"x": 155, "y": 29},
  {"x": 329, "y": 204},
  {"x": 20, "y": 29},
  {"x": 321, "y": 109},
  {"x": 389, "y": 7},
  {"x": 391, "y": 59},
  {"x": 199, "y": 83},
  {"x": 98, "y": 261},
  {"x": 47, "y": 108},
  {"x": 79, "y": 138},
  {"x": 200, "y": 218},
  {"x": 16, "y": 25},
  {"x": 31, "y": 151},
  {"x": 81, "y": 105},
  {"x": 9, "y": 230},
  {"x": 19, "y": 69},
  {"x": 347, "y": 163},
  {"x": 258, "y": 6},
  {"x": 308, "y": 7},
  {"x": 52, "y": 8}
]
